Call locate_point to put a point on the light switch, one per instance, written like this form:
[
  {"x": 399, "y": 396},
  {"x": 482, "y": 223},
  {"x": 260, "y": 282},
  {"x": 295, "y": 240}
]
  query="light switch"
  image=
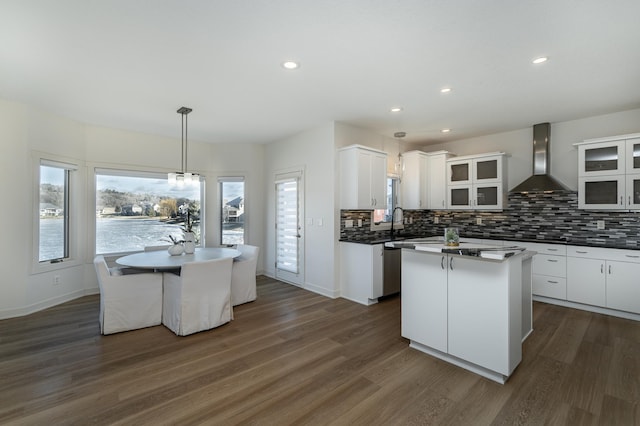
[
  {"x": 309, "y": 221},
  {"x": 600, "y": 224},
  {"x": 319, "y": 221},
  {"x": 348, "y": 223}
]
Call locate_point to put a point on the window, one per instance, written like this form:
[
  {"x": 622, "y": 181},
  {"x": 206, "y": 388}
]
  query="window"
[
  {"x": 384, "y": 215},
  {"x": 232, "y": 214},
  {"x": 53, "y": 223},
  {"x": 139, "y": 209}
]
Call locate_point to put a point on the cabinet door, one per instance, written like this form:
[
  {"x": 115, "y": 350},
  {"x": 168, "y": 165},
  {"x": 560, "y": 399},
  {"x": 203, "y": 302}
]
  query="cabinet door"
[
  {"x": 586, "y": 281},
  {"x": 602, "y": 158},
  {"x": 623, "y": 286},
  {"x": 460, "y": 197},
  {"x": 414, "y": 181},
  {"x": 363, "y": 188},
  {"x": 633, "y": 155},
  {"x": 424, "y": 298},
  {"x": 378, "y": 180},
  {"x": 437, "y": 180},
  {"x": 487, "y": 197},
  {"x": 604, "y": 193},
  {"x": 632, "y": 189},
  {"x": 479, "y": 312},
  {"x": 459, "y": 172},
  {"x": 487, "y": 169}
]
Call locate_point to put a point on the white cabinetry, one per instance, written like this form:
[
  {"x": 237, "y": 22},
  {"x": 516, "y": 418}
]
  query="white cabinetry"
[
  {"x": 361, "y": 272},
  {"x": 609, "y": 173},
  {"x": 465, "y": 307},
  {"x": 549, "y": 269},
  {"x": 424, "y": 314},
  {"x": 363, "y": 178},
  {"x": 437, "y": 180},
  {"x": 604, "y": 277},
  {"x": 415, "y": 176},
  {"x": 477, "y": 182}
]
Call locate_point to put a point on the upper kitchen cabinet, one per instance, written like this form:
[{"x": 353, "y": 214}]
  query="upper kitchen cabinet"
[
  {"x": 609, "y": 173},
  {"x": 437, "y": 179},
  {"x": 363, "y": 178},
  {"x": 415, "y": 180},
  {"x": 424, "y": 180},
  {"x": 475, "y": 182}
]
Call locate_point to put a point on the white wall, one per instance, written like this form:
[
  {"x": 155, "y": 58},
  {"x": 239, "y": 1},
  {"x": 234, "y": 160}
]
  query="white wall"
[
  {"x": 27, "y": 131},
  {"x": 564, "y": 156},
  {"x": 346, "y": 135},
  {"x": 312, "y": 151}
]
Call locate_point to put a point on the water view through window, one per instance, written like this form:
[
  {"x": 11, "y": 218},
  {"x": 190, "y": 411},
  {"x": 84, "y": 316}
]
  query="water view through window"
[
  {"x": 136, "y": 210},
  {"x": 53, "y": 223}
]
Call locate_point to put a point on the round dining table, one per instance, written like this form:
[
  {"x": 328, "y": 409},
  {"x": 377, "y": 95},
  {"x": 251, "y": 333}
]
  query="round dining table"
[{"x": 162, "y": 260}]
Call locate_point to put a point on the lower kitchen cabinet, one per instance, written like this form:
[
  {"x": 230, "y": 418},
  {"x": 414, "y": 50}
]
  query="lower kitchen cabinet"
[
  {"x": 623, "y": 286},
  {"x": 465, "y": 310},
  {"x": 361, "y": 272},
  {"x": 604, "y": 277},
  {"x": 586, "y": 281},
  {"x": 424, "y": 314}
]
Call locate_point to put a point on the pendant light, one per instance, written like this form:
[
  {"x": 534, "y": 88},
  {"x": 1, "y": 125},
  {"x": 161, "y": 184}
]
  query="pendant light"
[{"x": 183, "y": 177}]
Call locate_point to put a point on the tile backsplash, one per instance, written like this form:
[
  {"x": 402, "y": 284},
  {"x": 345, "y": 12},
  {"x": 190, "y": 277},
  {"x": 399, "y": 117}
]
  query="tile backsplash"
[{"x": 543, "y": 217}]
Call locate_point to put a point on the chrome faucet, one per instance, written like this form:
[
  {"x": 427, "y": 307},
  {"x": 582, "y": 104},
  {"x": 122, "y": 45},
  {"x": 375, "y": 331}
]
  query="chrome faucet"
[{"x": 393, "y": 213}]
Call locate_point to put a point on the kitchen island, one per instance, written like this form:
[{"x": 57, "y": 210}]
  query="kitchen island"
[{"x": 466, "y": 305}]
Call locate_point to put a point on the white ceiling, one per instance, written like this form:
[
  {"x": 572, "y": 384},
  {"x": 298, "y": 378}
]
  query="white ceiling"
[{"x": 131, "y": 64}]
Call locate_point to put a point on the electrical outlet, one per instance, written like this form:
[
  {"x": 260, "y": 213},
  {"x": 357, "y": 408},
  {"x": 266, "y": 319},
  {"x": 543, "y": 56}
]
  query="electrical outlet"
[
  {"x": 56, "y": 280},
  {"x": 410, "y": 220},
  {"x": 600, "y": 224},
  {"x": 359, "y": 223},
  {"x": 478, "y": 220},
  {"x": 436, "y": 220}
]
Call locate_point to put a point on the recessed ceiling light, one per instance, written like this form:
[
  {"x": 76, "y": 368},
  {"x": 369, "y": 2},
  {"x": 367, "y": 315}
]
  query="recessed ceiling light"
[
  {"x": 396, "y": 109},
  {"x": 540, "y": 60},
  {"x": 290, "y": 65},
  {"x": 445, "y": 90},
  {"x": 445, "y": 130}
]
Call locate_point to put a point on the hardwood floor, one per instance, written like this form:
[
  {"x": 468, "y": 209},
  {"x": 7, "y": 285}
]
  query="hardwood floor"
[{"x": 294, "y": 357}]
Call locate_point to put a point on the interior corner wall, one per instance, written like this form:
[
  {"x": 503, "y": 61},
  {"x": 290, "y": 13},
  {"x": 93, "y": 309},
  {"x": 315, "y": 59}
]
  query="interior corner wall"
[
  {"x": 14, "y": 172},
  {"x": 314, "y": 152}
]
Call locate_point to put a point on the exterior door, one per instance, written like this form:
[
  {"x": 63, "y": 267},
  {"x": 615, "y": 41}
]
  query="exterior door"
[{"x": 289, "y": 263}]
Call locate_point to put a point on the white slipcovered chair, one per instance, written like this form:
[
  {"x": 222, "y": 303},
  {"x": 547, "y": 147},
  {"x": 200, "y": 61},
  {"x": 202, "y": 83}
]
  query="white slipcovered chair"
[
  {"x": 199, "y": 298},
  {"x": 128, "y": 302},
  {"x": 243, "y": 275}
]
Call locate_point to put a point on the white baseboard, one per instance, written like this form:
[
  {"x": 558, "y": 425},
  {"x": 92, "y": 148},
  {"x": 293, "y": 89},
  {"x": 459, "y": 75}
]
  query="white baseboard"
[
  {"x": 596, "y": 309},
  {"x": 43, "y": 304}
]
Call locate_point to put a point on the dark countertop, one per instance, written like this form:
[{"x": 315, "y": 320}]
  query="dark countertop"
[{"x": 590, "y": 242}]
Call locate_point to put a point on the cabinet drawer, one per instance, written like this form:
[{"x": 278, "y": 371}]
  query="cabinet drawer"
[
  {"x": 545, "y": 264},
  {"x": 542, "y": 248},
  {"x": 547, "y": 286}
]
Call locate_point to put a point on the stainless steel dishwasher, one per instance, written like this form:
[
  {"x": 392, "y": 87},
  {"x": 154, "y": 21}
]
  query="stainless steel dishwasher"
[{"x": 392, "y": 270}]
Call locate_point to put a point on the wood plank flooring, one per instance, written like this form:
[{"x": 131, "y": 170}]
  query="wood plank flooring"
[{"x": 295, "y": 357}]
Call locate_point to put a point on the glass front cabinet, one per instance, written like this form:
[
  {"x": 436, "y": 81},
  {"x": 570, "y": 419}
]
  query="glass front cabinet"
[
  {"x": 609, "y": 173},
  {"x": 476, "y": 182}
]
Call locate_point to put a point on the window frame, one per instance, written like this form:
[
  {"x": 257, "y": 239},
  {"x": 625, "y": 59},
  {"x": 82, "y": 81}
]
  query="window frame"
[
  {"x": 72, "y": 219},
  {"x": 124, "y": 171},
  {"x": 221, "y": 180}
]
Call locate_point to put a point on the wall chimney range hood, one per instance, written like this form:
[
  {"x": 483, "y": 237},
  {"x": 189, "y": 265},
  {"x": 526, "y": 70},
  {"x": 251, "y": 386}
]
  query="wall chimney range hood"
[{"x": 541, "y": 181}]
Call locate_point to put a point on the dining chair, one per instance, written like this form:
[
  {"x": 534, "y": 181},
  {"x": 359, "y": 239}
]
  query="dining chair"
[
  {"x": 199, "y": 298},
  {"x": 243, "y": 275},
  {"x": 128, "y": 302}
]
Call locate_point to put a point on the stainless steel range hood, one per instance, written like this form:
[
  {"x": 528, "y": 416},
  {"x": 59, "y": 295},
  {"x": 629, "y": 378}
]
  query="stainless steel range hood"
[{"x": 541, "y": 181}]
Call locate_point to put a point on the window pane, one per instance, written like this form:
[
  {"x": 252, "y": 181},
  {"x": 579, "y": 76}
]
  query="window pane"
[
  {"x": 53, "y": 227},
  {"x": 384, "y": 215},
  {"x": 233, "y": 214},
  {"x": 138, "y": 210}
]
